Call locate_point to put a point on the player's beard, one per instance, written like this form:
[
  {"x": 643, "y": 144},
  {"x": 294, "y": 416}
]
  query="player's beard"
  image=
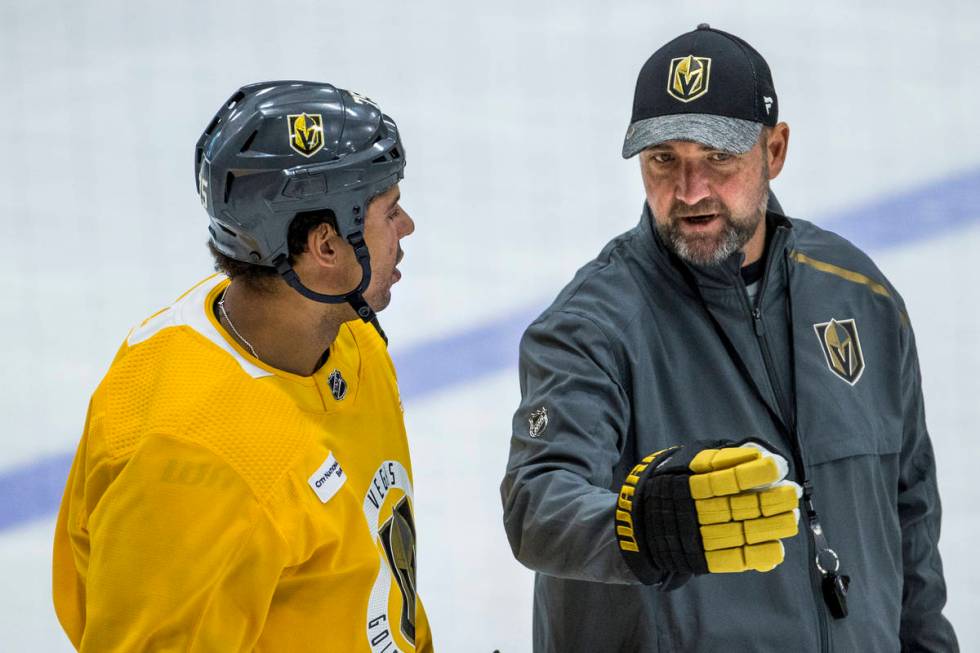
[
  {"x": 378, "y": 296},
  {"x": 712, "y": 249}
]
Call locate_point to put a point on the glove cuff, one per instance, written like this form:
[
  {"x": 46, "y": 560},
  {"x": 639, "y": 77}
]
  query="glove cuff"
[
  {"x": 630, "y": 524},
  {"x": 643, "y": 552}
]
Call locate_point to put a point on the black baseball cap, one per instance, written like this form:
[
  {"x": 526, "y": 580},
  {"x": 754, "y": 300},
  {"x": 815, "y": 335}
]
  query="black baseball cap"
[{"x": 705, "y": 86}]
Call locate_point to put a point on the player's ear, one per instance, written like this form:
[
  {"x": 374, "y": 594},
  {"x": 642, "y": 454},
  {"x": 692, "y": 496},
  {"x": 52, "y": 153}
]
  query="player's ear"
[{"x": 324, "y": 245}]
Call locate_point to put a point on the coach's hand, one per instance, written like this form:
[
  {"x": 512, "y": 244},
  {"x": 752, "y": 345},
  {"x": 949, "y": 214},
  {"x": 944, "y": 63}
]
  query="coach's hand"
[{"x": 716, "y": 508}]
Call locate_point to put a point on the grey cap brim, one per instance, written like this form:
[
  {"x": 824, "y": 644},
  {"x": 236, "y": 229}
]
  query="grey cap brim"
[{"x": 718, "y": 132}]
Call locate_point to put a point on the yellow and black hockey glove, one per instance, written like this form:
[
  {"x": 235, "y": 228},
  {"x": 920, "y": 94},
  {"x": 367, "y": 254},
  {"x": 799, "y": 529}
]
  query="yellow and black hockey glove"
[{"x": 712, "y": 507}]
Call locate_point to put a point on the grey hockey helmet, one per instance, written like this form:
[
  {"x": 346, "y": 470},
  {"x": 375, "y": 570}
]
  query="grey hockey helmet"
[{"x": 276, "y": 149}]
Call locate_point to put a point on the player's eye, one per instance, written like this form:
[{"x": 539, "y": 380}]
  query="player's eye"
[
  {"x": 661, "y": 157},
  {"x": 720, "y": 157}
]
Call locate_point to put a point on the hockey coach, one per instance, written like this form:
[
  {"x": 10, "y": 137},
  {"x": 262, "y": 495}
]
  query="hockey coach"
[
  {"x": 243, "y": 481},
  {"x": 721, "y": 443}
]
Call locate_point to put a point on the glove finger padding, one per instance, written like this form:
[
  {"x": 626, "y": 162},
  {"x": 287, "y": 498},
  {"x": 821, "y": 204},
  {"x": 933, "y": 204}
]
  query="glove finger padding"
[
  {"x": 719, "y": 472},
  {"x": 717, "y": 508}
]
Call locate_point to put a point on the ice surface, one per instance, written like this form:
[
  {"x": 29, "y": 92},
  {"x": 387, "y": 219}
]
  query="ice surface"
[{"x": 513, "y": 115}]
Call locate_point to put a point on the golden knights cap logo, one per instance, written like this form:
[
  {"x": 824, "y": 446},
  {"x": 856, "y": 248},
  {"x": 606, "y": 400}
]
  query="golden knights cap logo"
[
  {"x": 688, "y": 78},
  {"x": 841, "y": 348},
  {"x": 306, "y": 133}
]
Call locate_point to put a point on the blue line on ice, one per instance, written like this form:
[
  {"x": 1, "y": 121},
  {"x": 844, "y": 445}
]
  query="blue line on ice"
[{"x": 33, "y": 490}]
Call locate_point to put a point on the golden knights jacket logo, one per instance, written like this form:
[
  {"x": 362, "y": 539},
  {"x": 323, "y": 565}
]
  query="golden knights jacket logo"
[
  {"x": 688, "y": 78},
  {"x": 841, "y": 348},
  {"x": 306, "y": 133}
]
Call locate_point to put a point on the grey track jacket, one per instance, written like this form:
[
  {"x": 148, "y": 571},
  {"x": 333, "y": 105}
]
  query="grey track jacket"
[{"x": 630, "y": 359}]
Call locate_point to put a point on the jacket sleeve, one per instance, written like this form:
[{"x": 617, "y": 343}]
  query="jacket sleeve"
[
  {"x": 558, "y": 506},
  {"x": 182, "y": 557},
  {"x": 923, "y": 626}
]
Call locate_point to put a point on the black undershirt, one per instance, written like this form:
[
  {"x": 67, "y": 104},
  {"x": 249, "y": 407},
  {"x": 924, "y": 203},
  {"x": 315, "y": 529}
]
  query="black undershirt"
[
  {"x": 323, "y": 360},
  {"x": 753, "y": 272}
]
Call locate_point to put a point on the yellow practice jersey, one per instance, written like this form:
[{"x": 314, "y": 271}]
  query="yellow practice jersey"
[{"x": 218, "y": 504}]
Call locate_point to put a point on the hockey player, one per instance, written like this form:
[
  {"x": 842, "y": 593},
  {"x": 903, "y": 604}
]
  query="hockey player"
[
  {"x": 721, "y": 444},
  {"x": 243, "y": 480}
]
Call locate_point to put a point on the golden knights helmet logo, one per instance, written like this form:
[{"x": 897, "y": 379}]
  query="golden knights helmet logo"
[
  {"x": 841, "y": 348},
  {"x": 306, "y": 133},
  {"x": 688, "y": 78}
]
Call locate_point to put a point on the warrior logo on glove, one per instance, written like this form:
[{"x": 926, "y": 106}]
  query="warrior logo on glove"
[{"x": 716, "y": 508}]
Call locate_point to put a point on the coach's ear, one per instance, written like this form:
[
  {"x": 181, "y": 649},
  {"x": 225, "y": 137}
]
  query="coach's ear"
[{"x": 777, "y": 142}]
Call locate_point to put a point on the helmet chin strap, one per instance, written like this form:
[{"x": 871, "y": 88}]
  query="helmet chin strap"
[{"x": 355, "y": 297}]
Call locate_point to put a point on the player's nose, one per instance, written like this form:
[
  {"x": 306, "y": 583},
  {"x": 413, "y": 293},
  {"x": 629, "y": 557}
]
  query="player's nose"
[{"x": 406, "y": 226}]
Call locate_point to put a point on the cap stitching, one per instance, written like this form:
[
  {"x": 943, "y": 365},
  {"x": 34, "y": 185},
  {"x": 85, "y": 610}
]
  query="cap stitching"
[{"x": 755, "y": 76}]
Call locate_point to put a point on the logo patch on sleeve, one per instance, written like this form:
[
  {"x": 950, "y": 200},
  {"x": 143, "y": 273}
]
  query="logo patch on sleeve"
[
  {"x": 329, "y": 478},
  {"x": 537, "y": 422}
]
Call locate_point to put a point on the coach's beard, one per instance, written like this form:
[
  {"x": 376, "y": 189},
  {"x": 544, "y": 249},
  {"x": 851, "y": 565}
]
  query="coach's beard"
[{"x": 711, "y": 248}]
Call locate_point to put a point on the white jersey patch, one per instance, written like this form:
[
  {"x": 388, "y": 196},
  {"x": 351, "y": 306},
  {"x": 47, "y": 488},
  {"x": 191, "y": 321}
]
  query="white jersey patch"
[{"x": 329, "y": 478}]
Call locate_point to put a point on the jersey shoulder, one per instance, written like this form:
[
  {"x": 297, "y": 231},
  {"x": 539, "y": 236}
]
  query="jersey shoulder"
[{"x": 177, "y": 377}]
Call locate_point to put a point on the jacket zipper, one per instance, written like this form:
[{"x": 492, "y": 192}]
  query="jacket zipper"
[{"x": 789, "y": 421}]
